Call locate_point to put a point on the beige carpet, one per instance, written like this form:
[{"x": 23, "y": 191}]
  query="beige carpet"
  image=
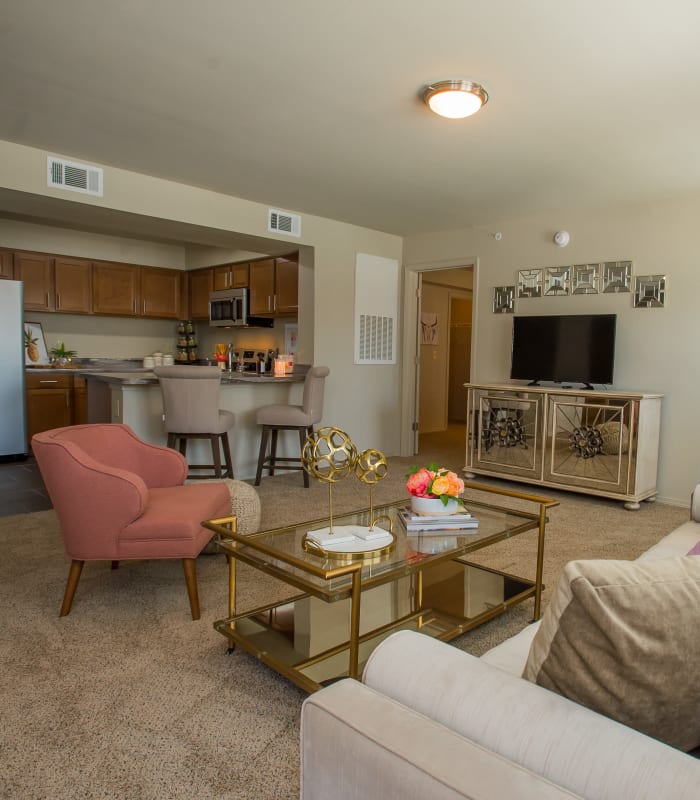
[{"x": 128, "y": 699}]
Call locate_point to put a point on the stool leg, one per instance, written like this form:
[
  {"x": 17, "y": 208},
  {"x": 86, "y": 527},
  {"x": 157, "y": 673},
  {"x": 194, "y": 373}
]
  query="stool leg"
[
  {"x": 273, "y": 452},
  {"x": 183, "y": 445},
  {"x": 172, "y": 441},
  {"x": 261, "y": 456},
  {"x": 302, "y": 441},
  {"x": 227, "y": 454},
  {"x": 216, "y": 453}
]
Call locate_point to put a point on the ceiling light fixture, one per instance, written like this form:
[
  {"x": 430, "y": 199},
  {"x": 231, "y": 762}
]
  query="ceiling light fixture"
[{"x": 455, "y": 99}]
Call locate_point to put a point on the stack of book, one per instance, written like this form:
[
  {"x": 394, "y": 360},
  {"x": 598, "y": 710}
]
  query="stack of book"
[{"x": 437, "y": 524}]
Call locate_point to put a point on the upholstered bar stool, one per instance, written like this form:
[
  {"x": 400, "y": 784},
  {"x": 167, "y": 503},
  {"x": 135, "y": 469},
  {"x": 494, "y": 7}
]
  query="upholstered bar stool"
[
  {"x": 191, "y": 406},
  {"x": 276, "y": 418}
]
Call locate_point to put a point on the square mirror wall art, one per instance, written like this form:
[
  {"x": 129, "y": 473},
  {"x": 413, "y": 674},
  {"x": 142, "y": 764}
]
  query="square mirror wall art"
[
  {"x": 556, "y": 281},
  {"x": 503, "y": 299},
  {"x": 530, "y": 283},
  {"x": 617, "y": 276},
  {"x": 585, "y": 279},
  {"x": 650, "y": 291}
]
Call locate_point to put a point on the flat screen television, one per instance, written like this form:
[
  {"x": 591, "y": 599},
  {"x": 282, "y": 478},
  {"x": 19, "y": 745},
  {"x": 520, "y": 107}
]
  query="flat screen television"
[{"x": 572, "y": 348}]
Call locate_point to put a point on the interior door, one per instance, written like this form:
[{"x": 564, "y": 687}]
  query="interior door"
[{"x": 416, "y": 387}]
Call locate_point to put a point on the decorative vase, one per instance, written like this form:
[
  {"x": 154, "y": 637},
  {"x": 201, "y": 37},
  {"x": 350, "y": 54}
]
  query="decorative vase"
[{"x": 433, "y": 506}]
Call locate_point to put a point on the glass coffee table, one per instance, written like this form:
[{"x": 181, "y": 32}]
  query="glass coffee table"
[{"x": 347, "y": 605}]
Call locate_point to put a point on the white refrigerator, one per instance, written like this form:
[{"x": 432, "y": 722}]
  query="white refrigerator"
[{"x": 13, "y": 425}]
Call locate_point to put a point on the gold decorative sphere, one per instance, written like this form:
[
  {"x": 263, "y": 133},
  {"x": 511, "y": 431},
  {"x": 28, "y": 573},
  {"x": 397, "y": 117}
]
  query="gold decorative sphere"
[
  {"x": 371, "y": 466},
  {"x": 329, "y": 455}
]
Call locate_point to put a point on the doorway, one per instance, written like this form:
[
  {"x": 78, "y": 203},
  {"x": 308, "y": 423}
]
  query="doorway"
[{"x": 444, "y": 353}]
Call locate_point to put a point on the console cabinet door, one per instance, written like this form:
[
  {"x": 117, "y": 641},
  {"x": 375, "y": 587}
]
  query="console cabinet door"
[
  {"x": 505, "y": 433},
  {"x": 36, "y": 272},
  {"x": 161, "y": 293},
  {"x": 116, "y": 289},
  {"x": 73, "y": 281},
  {"x": 589, "y": 443}
]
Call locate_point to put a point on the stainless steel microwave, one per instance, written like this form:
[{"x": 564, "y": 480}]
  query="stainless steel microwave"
[{"x": 229, "y": 308}]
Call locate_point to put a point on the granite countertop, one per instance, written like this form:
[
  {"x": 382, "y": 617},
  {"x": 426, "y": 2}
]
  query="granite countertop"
[
  {"x": 130, "y": 372},
  {"x": 144, "y": 377}
]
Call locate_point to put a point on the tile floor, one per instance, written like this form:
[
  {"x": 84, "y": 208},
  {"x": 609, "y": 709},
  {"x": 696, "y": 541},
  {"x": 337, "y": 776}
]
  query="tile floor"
[{"x": 21, "y": 488}]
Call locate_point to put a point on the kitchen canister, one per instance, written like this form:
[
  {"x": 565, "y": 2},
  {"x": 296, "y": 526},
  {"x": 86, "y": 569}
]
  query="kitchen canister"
[
  {"x": 149, "y": 362},
  {"x": 168, "y": 359},
  {"x": 158, "y": 358}
]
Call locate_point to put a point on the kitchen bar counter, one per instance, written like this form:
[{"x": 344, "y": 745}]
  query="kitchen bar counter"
[{"x": 133, "y": 396}]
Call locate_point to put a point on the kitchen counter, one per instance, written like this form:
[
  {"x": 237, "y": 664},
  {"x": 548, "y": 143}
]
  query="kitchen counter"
[
  {"x": 133, "y": 397},
  {"x": 147, "y": 377}
]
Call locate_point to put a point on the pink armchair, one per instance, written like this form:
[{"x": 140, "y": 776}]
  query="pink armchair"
[{"x": 118, "y": 498}]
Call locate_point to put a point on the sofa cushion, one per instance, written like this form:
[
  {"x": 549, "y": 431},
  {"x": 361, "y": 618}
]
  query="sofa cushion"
[
  {"x": 621, "y": 637},
  {"x": 694, "y": 550}
]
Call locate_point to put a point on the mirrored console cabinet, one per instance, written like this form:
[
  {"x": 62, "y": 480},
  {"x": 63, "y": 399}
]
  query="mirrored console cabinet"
[{"x": 595, "y": 442}]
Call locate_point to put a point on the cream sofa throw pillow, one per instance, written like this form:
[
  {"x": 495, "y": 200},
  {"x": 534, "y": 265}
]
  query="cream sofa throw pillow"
[{"x": 623, "y": 638}]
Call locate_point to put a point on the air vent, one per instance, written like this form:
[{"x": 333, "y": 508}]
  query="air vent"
[
  {"x": 376, "y": 308},
  {"x": 283, "y": 222},
  {"x": 63, "y": 174}
]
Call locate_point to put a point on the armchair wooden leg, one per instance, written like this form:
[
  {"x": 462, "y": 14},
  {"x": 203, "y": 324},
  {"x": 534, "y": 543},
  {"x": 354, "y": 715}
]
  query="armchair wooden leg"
[
  {"x": 76, "y": 568},
  {"x": 115, "y": 565},
  {"x": 190, "y": 569}
]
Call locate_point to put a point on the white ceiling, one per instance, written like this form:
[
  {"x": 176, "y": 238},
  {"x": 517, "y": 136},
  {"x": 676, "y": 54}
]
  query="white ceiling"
[{"x": 312, "y": 105}]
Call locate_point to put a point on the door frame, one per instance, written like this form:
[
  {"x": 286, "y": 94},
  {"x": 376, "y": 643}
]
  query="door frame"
[{"x": 410, "y": 355}]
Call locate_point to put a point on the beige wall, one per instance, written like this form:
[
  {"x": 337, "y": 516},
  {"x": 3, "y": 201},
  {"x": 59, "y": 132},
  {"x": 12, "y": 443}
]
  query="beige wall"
[
  {"x": 656, "y": 348},
  {"x": 361, "y": 399}
]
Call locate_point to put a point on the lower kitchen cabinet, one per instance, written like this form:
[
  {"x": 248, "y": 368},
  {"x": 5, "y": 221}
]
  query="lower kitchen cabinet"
[{"x": 54, "y": 400}]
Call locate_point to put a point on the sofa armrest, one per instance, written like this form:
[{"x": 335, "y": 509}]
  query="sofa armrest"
[
  {"x": 358, "y": 744},
  {"x": 695, "y": 504},
  {"x": 572, "y": 746}
]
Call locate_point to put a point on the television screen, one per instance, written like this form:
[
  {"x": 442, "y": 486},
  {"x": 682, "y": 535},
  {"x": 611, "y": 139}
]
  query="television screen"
[{"x": 575, "y": 348}]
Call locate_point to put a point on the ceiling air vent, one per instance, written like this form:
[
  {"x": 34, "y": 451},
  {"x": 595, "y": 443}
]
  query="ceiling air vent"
[
  {"x": 63, "y": 174},
  {"x": 283, "y": 222}
]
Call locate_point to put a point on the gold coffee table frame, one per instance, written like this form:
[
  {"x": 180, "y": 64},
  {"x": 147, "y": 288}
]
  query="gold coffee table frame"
[{"x": 280, "y": 553}]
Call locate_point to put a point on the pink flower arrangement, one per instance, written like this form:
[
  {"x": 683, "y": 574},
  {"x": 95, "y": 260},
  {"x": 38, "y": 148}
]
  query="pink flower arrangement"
[{"x": 433, "y": 481}]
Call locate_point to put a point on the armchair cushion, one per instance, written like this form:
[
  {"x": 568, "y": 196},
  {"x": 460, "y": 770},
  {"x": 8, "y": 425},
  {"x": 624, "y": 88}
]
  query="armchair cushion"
[{"x": 621, "y": 638}]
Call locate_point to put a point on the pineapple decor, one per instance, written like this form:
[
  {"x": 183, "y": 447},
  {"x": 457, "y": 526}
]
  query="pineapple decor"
[{"x": 31, "y": 347}]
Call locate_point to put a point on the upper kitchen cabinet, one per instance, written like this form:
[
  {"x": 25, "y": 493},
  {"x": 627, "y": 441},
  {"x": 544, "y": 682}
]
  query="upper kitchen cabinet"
[
  {"x": 231, "y": 276},
  {"x": 35, "y": 270},
  {"x": 6, "y": 264},
  {"x": 73, "y": 285},
  {"x": 274, "y": 286},
  {"x": 161, "y": 292},
  {"x": 116, "y": 289},
  {"x": 201, "y": 283}
]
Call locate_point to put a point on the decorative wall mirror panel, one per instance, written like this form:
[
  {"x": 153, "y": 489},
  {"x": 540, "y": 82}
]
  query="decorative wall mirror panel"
[
  {"x": 556, "y": 281},
  {"x": 585, "y": 279},
  {"x": 650, "y": 291},
  {"x": 503, "y": 299},
  {"x": 530, "y": 283},
  {"x": 617, "y": 276}
]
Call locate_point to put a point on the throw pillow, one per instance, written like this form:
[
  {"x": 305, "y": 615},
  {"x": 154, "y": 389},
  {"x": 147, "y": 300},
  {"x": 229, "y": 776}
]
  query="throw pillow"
[
  {"x": 695, "y": 550},
  {"x": 622, "y": 638}
]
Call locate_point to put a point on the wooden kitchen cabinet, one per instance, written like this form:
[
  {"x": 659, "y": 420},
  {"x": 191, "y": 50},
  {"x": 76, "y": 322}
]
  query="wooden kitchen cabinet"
[
  {"x": 35, "y": 270},
  {"x": 201, "y": 283},
  {"x": 116, "y": 289},
  {"x": 274, "y": 286},
  {"x": 49, "y": 402},
  {"x": 287, "y": 285},
  {"x": 262, "y": 287},
  {"x": 231, "y": 276},
  {"x": 73, "y": 285},
  {"x": 6, "y": 270},
  {"x": 161, "y": 293},
  {"x": 80, "y": 416}
]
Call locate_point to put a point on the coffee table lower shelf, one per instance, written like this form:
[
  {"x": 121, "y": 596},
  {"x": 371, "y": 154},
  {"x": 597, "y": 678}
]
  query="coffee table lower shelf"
[{"x": 306, "y": 639}]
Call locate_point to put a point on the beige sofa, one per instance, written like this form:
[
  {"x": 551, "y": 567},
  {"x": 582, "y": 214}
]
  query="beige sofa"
[{"x": 430, "y": 721}]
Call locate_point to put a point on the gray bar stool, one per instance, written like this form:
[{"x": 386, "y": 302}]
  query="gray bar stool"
[
  {"x": 191, "y": 405},
  {"x": 301, "y": 418}
]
